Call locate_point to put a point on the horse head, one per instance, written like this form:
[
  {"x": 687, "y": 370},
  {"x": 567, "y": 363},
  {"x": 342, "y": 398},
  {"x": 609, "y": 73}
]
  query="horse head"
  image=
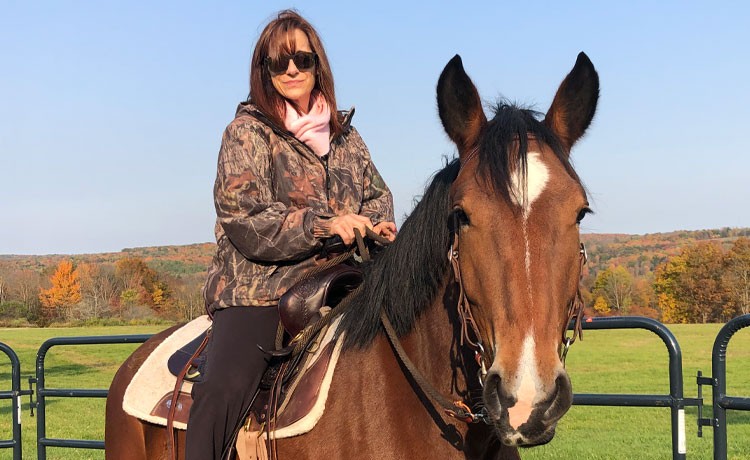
[{"x": 517, "y": 205}]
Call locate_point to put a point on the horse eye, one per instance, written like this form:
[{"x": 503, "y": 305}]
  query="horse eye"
[
  {"x": 582, "y": 213},
  {"x": 459, "y": 217}
]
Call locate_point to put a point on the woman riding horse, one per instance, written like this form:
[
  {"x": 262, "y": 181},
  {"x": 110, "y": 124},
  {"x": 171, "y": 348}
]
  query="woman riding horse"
[
  {"x": 291, "y": 173},
  {"x": 479, "y": 289}
]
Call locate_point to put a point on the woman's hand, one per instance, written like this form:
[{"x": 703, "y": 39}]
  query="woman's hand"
[
  {"x": 386, "y": 230},
  {"x": 344, "y": 226}
]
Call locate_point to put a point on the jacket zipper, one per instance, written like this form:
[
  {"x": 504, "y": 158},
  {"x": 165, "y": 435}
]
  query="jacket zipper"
[{"x": 323, "y": 160}]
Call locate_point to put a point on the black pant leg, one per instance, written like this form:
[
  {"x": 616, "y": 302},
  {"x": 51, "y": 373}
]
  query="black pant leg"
[{"x": 233, "y": 369}]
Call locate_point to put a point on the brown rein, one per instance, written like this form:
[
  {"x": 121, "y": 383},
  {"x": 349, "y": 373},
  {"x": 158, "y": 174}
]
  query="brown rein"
[{"x": 458, "y": 409}]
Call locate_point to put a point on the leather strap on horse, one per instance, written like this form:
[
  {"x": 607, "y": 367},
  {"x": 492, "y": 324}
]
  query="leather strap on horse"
[
  {"x": 459, "y": 409},
  {"x": 456, "y": 409},
  {"x": 362, "y": 246},
  {"x": 575, "y": 311},
  {"x": 171, "y": 452},
  {"x": 464, "y": 309}
]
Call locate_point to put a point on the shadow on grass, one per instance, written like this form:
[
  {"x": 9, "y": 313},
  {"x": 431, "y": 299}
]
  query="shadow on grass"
[
  {"x": 7, "y": 410},
  {"x": 5, "y": 377},
  {"x": 736, "y": 417},
  {"x": 53, "y": 375},
  {"x": 53, "y": 372}
]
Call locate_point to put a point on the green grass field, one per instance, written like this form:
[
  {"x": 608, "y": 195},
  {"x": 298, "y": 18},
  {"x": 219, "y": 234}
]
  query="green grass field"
[
  {"x": 626, "y": 361},
  {"x": 79, "y": 366}
]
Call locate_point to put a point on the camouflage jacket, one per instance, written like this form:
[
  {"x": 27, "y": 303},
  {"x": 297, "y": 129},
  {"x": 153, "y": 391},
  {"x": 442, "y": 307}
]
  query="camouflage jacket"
[{"x": 274, "y": 199}]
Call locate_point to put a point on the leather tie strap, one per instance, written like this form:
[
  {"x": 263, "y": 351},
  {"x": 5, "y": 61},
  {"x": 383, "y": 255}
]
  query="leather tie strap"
[
  {"x": 464, "y": 308},
  {"x": 456, "y": 409},
  {"x": 171, "y": 452}
]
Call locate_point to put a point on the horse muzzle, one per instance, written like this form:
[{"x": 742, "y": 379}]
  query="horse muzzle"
[{"x": 524, "y": 419}]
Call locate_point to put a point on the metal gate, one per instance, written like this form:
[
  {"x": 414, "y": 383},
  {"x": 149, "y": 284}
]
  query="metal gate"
[
  {"x": 674, "y": 400},
  {"x": 718, "y": 382},
  {"x": 43, "y": 392},
  {"x": 14, "y": 394}
]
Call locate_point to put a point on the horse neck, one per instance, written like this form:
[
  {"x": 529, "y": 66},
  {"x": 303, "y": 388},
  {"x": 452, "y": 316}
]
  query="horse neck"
[
  {"x": 432, "y": 343},
  {"x": 433, "y": 346}
]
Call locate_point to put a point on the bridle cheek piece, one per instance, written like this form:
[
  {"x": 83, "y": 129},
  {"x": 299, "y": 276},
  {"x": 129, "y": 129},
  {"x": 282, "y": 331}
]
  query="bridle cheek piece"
[
  {"x": 575, "y": 310},
  {"x": 458, "y": 409},
  {"x": 464, "y": 312}
]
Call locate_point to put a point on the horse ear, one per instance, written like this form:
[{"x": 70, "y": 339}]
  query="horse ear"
[
  {"x": 459, "y": 105},
  {"x": 574, "y": 105}
]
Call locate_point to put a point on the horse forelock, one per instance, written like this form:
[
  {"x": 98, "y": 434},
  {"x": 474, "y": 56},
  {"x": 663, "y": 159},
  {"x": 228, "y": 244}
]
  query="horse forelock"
[{"x": 503, "y": 152}]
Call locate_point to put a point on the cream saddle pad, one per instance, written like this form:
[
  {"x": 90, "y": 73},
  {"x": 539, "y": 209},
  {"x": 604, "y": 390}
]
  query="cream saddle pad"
[{"x": 148, "y": 394}]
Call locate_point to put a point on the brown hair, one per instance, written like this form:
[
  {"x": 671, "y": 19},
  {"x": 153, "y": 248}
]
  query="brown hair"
[{"x": 278, "y": 38}]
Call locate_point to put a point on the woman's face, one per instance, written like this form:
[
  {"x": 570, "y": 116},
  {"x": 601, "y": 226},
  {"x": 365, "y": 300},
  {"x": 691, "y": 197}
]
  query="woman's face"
[{"x": 295, "y": 84}]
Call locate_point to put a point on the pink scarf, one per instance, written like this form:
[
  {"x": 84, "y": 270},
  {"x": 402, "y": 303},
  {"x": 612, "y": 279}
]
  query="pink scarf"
[{"x": 312, "y": 128}]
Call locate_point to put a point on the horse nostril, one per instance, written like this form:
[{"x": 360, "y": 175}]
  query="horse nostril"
[
  {"x": 561, "y": 398},
  {"x": 492, "y": 383},
  {"x": 562, "y": 383},
  {"x": 492, "y": 394}
]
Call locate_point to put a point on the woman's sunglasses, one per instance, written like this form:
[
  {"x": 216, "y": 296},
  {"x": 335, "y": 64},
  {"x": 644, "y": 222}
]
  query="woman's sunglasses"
[{"x": 303, "y": 60}]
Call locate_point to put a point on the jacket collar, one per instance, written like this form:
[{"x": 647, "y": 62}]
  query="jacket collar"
[{"x": 248, "y": 108}]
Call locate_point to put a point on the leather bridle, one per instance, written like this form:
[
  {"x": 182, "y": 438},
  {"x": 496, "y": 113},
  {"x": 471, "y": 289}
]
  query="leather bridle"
[
  {"x": 575, "y": 311},
  {"x": 458, "y": 409},
  {"x": 471, "y": 335}
]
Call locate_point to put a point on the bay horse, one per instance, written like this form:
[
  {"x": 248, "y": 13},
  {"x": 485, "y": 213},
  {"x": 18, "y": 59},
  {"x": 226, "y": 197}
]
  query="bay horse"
[{"x": 496, "y": 233}]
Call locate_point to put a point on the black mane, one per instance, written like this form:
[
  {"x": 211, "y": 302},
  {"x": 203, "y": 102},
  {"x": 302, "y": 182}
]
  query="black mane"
[{"x": 406, "y": 277}]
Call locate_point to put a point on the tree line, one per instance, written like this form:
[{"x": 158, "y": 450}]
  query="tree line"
[
  {"x": 703, "y": 283},
  {"x": 697, "y": 282},
  {"x": 126, "y": 290}
]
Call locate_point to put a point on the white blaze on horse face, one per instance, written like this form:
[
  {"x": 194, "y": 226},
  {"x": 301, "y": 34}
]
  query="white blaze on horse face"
[
  {"x": 527, "y": 385},
  {"x": 524, "y": 193},
  {"x": 537, "y": 176}
]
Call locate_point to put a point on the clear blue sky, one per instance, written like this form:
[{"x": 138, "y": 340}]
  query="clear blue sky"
[{"x": 111, "y": 113}]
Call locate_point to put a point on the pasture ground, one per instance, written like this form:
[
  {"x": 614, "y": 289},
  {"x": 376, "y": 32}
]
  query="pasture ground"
[{"x": 605, "y": 361}]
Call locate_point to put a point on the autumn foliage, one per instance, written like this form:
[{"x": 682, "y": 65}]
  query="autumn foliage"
[
  {"x": 65, "y": 291},
  {"x": 704, "y": 283},
  {"x": 142, "y": 283},
  {"x": 138, "y": 284},
  {"x": 678, "y": 277}
]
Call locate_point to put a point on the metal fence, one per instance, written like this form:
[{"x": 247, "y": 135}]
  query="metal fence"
[
  {"x": 674, "y": 400},
  {"x": 43, "y": 392},
  {"x": 14, "y": 394},
  {"x": 718, "y": 381}
]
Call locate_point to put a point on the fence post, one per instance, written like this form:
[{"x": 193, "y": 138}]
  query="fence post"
[
  {"x": 14, "y": 395},
  {"x": 721, "y": 401}
]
